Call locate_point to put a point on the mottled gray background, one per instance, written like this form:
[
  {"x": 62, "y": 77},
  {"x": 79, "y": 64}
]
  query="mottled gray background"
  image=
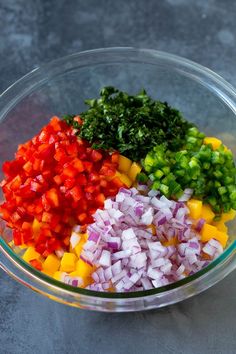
[{"x": 34, "y": 32}]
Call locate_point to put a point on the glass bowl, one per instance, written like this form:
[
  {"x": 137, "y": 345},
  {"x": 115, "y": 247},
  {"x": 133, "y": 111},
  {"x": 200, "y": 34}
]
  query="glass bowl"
[{"x": 60, "y": 87}]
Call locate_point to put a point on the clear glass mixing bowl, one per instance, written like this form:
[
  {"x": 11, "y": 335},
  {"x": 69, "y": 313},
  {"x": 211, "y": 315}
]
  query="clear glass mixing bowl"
[{"x": 60, "y": 87}]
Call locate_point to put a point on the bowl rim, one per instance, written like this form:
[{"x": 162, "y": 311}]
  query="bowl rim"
[{"x": 15, "y": 92}]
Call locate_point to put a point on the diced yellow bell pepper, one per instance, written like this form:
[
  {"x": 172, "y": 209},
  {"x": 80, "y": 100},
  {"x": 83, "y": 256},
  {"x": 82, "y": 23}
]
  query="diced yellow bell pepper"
[
  {"x": 22, "y": 247},
  {"x": 74, "y": 274},
  {"x": 195, "y": 208},
  {"x": 153, "y": 228},
  {"x": 220, "y": 225},
  {"x": 47, "y": 272},
  {"x": 78, "y": 248},
  {"x": 68, "y": 262},
  {"x": 172, "y": 242},
  {"x": 207, "y": 213},
  {"x": 134, "y": 170},
  {"x": 222, "y": 237},
  {"x": 36, "y": 226},
  {"x": 124, "y": 164},
  {"x": 58, "y": 275},
  {"x": 228, "y": 216},
  {"x": 83, "y": 269},
  {"x": 208, "y": 232},
  {"x": 88, "y": 281},
  {"x": 125, "y": 179},
  {"x": 215, "y": 143},
  {"x": 31, "y": 254},
  {"x": 51, "y": 263}
]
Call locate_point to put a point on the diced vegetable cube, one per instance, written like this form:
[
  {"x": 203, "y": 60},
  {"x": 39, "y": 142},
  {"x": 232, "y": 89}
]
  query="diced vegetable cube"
[
  {"x": 78, "y": 248},
  {"x": 68, "y": 262},
  {"x": 207, "y": 213},
  {"x": 215, "y": 143},
  {"x": 134, "y": 170},
  {"x": 30, "y": 254},
  {"x": 222, "y": 237},
  {"x": 220, "y": 225},
  {"x": 51, "y": 263},
  {"x": 124, "y": 164},
  {"x": 228, "y": 216},
  {"x": 125, "y": 179},
  {"x": 83, "y": 269},
  {"x": 208, "y": 232},
  {"x": 172, "y": 242},
  {"x": 195, "y": 208},
  {"x": 36, "y": 226},
  {"x": 58, "y": 275}
]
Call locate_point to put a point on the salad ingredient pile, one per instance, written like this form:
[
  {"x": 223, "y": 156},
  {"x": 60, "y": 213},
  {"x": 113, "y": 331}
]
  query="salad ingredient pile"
[
  {"x": 209, "y": 172},
  {"x": 126, "y": 196},
  {"x": 129, "y": 124}
]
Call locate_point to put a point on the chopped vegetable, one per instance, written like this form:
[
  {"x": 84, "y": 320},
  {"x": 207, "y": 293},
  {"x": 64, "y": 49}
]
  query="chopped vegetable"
[
  {"x": 210, "y": 173},
  {"x": 130, "y": 124},
  {"x": 68, "y": 262},
  {"x": 195, "y": 208},
  {"x": 214, "y": 142},
  {"x": 30, "y": 254},
  {"x": 127, "y": 196},
  {"x": 129, "y": 257},
  {"x": 51, "y": 263},
  {"x": 56, "y": 181}
]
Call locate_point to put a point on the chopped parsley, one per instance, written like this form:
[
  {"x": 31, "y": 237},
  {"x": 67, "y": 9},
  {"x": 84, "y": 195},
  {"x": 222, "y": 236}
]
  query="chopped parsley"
[{"x": 133, "y": 125}]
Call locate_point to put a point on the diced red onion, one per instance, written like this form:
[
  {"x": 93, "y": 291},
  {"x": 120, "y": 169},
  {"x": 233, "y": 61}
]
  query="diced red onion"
[
  {"x": 180, "y": 270},
  {"x": 153, "y": 193},
  {"x": 147, "y": 217},
  {"x": 108, "y": 273},
  {"x": 154, "y": 273},
  {"x": 74, "y": 239},
  {"x": 94, "y": 236},
  {"x": 105, "y": 259},
  {"x": 116, "y": 268},
  {"x": 121, "y": 254},
  {"x": 128, "y": 234},
  {"x": 146, "y": 283},
  {"x": 186, "y": 195},
  {"x": 200, "y": 224},
  {"x": 119, "y": 276},
  {"x": 128, "y": 254}
]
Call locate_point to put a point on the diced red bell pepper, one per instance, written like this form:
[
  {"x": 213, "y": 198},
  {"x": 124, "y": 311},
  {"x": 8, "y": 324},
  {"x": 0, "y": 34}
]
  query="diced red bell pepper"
[
  {"x": 36, "y": 264},
  {"x": 78, "y": 165},
  {"x": 76, "y": 193},
  {"x": 52, "y": 197},
  {"x": 100, "y": 199},
  {"x": 96, "y": 155},
  {"x": 81, "y": 179},
  {"x": 59, "y": 180},
  {"x": 16, "y": 182},
  {"x": 17, "y": 237},
  {"x": 88, "y": 166},
  {"x": 69, "y": 182},
  {"x": 69, "y": 171},
  {"x": 115, "y": 158}
]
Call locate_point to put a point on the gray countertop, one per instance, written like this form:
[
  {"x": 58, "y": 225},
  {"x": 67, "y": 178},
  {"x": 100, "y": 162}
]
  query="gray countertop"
[{"x": 34, "y": 32}]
